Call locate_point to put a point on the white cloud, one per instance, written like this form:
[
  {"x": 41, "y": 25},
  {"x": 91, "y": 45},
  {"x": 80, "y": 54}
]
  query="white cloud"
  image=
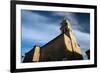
[
  {"x": 83, "y": 39},
  {"x": 70, "y": 16},
  {"x": 44, "y": 35}
]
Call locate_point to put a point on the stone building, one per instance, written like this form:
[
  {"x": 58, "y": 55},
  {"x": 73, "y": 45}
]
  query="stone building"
[{"x": 63, "y": 47}]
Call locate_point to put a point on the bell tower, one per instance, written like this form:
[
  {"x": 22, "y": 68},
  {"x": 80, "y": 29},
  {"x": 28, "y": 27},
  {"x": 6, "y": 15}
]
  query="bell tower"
[
  {"x": 65, "y": 27},
  {"x": 70, "y": 40}
]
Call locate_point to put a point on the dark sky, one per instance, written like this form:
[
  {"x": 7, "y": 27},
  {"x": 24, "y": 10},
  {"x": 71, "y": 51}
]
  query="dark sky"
[{"x": 39, "y": 27}]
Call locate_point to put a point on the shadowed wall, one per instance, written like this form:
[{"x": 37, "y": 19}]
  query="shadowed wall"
[{"x": 59, "y": 49}]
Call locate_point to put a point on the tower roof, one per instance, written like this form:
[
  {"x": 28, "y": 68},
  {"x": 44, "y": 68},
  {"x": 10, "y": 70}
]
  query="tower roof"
[{"x": 64, "y": 22}]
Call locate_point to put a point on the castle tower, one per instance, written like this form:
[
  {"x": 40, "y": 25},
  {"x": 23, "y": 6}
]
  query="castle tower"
[{"x": 70, "y": 40}]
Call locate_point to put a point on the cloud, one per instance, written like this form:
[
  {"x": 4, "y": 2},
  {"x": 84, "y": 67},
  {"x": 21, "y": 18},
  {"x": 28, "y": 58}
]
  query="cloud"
[
  {"x": 30, "y": 17},
  {"x": 70, "y": 17},
  {"x": 38, "y": 28},
  {"x": 83, "y": 39},
  {"x": 79, "y": 21},
  {"x": 38, "y": 35}
]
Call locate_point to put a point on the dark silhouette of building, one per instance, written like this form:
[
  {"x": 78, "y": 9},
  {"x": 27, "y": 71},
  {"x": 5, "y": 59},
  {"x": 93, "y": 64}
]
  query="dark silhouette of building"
[
  {"x": 63, "y": 47},
  {"x": 88, "y": 53}
]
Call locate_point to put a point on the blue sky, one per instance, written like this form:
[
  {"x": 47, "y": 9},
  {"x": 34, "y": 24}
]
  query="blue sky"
[{"x": 39, "y": 27}]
